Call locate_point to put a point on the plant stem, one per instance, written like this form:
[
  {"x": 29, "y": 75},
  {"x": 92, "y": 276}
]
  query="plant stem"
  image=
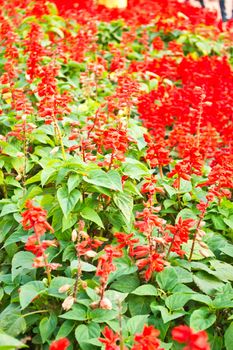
[
  {"x": 47, "y": 268},
  {"x": 59, "y": 135},
  {"x": 34, "y": 312},
  {"x": 178, "y": 193},
  {"x": 194, "y": 239},
  {"x": 79, "y": 270},
  {"x": 170, "y": 247},
  {"x": 120, "y": 326},
  {"x": 161, "y": 171}
]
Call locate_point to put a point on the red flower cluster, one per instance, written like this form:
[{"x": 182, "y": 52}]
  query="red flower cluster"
[
  {"x": 35, "y": 218},
  {"x": 61, "y": 344},
  {"x": 110, "y": 339},
  {"x": 147, "y": 340},
  {"x": 180, "y": 233},
  {"x": 104, "y": 268},
  {"x": 193, "y": 341}
]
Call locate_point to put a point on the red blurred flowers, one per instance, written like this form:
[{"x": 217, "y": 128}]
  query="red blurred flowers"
[
  {"x": 193, "y": 341},
  {"x": 61, "y": 344},
  {"x": 147, "y": 340},
  {"x": 35, "y": 218}
]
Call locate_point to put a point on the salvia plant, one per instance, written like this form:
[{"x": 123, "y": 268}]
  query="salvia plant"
[{"x": 116, "y": 177}]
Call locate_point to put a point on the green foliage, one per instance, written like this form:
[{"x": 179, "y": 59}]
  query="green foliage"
[{"x": 106, "y": 198}]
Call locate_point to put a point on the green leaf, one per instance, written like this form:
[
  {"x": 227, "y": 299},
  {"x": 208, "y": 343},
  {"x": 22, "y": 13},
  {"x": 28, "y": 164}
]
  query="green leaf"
[
  {"x": 100, "y": 178},
  {"x": 87, "y": 336},
  {"x": 218, "y": 222},
  {"x": 196, "y": 252},
  {"x": 223, "y": 271},
  {"x": 9, "y": 343},
  {"x": 68, "y": 200},
  {"x": 167, "y": 279},
  {"x": 47, "y": 326},
  {"x": 21, "y": 262},
  {"x": 69, "y": 221},
  {"x": 186, "y": 214},
  {"x": 29, "y": 291},
  {"x": 135, "y": 169},
  {"x": 139, "y": 305},
  {"x": 206, "y": 282},
  {"x": 78, "y": 313},
  {"x": 85, "y": 266},
  {"x": 90, "y": 214},
  {"x": 146, "y": 289},
  {"x": 227, "y": 249},
  {"x": 11, "y": 320},
  {"x": 65, "y": 329},
  {"x": 19, "y": 326},
  {"x": 81, "y": 333},
  {"x": 185, "y": 186},
  {"x": 9, "y": 209},
  {"x": 184, "y": 276},
  {"x": 121, "y": 285},
  {"x": 18, "y": 236},
  {"x": 73, "y": 182},
  {"x": 202, "y": 319},
  {"x": 228, "y": 336},
  {"x": 167, "y": 316},
  {"x": 223, "y": 301},
  {"x": 57, "y": 283},
  {"x": 202, "y": 298},
  {"x": 124, "y": 202},
  {"x": 101, "y": 315},
  {"x": 136, "y": 323},
  {"x": 229, "y": 221},
  {"x": 46, "y": 174},
  {"x": 170, "y": 190},
  {"x": 176, "y": 301}
]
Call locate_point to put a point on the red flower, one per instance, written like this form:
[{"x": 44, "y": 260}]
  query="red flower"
[
  {"x": 194, "y": 341},
  {"x": 61, "y": 344},
  {"x": 126, "y": 240},
  {"x": 110, "y": 339},
  {"x": 158, "y": 43},
  {"x": 180, "y": 234},
  {"x": 35, "y": 217},
  {"x": 147, "y": 340},
  {"x": 153, "y": 263}
]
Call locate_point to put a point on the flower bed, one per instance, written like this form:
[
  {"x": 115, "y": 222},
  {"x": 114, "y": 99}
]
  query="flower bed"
[{"x": 116, "y": 177}]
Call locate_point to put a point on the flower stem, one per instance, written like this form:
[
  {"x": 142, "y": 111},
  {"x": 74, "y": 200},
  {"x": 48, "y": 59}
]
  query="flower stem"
[
  {"x": 194, "y": 239},
  {"x": 34, "y": 312},
  {"x": 120, "y": 326},
  {"x": 79, "y": 270}
]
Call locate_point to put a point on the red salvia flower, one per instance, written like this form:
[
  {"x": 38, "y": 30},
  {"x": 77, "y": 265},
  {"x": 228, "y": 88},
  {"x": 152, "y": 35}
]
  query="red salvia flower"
[
  {"x": 147, "y": 340},
  {"x": 35, "y": 217},
  {"x": 110, "y": 339},
  {"x": 193, "y": 341},
  {"x": 180, "y": 233},
  {"x": 61, "y": 344}
]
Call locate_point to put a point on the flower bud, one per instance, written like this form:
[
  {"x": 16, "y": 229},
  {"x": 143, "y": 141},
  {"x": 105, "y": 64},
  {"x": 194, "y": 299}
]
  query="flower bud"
[
  {"x": 68, "y": 303},
  {"x": 97, "y": 290},
  {"x": 19, "y": 154},
  {"x": 90, "y": 254},
  {"x": 54, "y": 150},
  {"x": 203, "y": 245},
  {"x": 204, "y": 253},
  {"x": 74, "y": 235},
  {"x": 84, "y": 284},
  {"x": 106, "y": 304},
  {"x": 64, "y": 288},
  {"x": 94, "y": 305}
]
